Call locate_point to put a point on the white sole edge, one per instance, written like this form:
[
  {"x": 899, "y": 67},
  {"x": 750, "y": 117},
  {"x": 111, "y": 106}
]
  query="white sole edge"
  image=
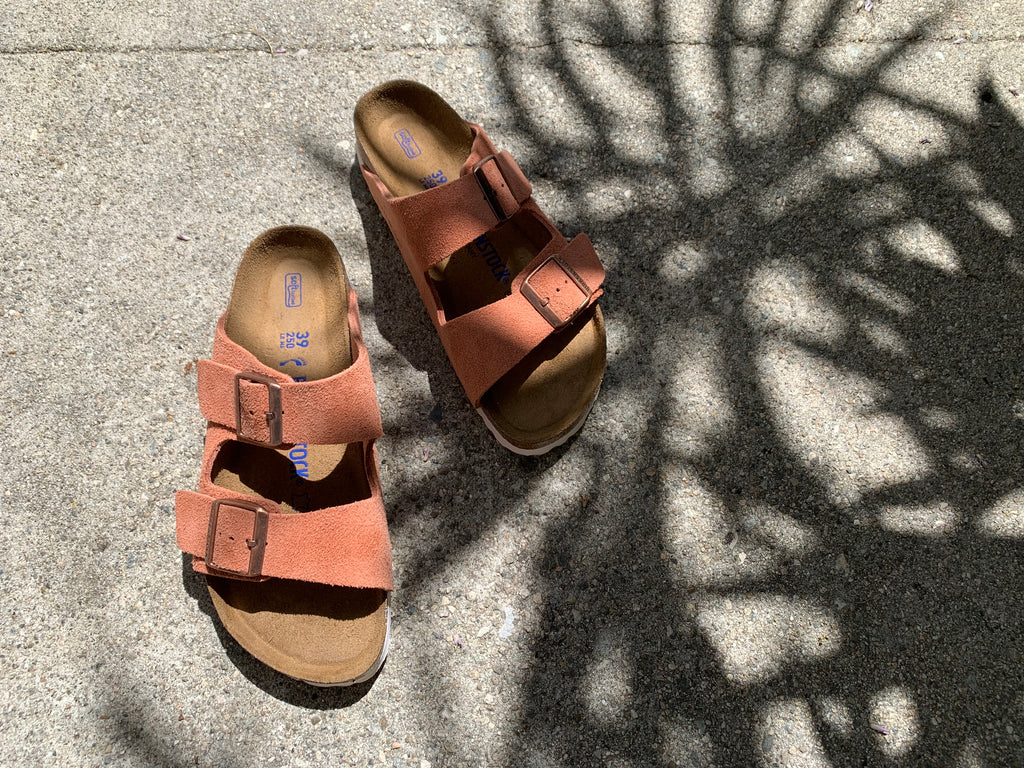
[
  {"x": 542, "y": 449},
  {"x": 373, "y": 670}
]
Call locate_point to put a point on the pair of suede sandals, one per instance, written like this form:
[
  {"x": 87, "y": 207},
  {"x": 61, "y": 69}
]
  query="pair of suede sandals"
[{"x": 288, "y": 525}]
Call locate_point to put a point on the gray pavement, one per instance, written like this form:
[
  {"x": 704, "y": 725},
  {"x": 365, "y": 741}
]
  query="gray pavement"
[{"x": 788, "y": 535}]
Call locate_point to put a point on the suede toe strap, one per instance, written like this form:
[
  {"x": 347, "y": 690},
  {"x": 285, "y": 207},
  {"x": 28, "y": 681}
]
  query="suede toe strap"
[
  {"x": 561, "y": 282},
  {"x": 253, "y": 539}
]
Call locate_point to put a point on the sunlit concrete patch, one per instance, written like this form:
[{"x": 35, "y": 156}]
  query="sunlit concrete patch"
[
  {"x": 610, "y": 199},
  {"x": 803, "y": 183},
  {"x": 878, "y": 294},
  {"x": 938, "y": 518},
  {"x": 788, "y": 737},
  {"x": 850, "y": 60},
  {"x": 946, "y": 82},
  {"x": 690, "y": 19},
  {"x": 685, "y": 742},
  {"x": 848, "y": 157},
  {"x": 709, "y": 544},
  {"x": 918, "y": 241},
  {"x": 785, "y": 297},
  {"x": 842, "y": 156},
  {"x": 696, "y": 529},
  {"x": 634, "y": 129},
  {"x": 764, "y": 93},
  {"x": 683, "y": 261},
  {"x": 786, "y": 537},
  {"x": 1017, "y": 409},
  {"x": 894, "y": 719},
  {"x": 834, "y": 715},
  {"x": 938, "y": 418},
  {"x": 607, "y": 687},
  {"x": 1005, "y": 518},
  {"x": 883, "y": 337},
  {"x": 965, "y": 460},
  {"x": 965, "y": 179},
  {"x": 712, "y": 545},
  {"x": 994, "y": 215},
  {"x": 921, "y": 133},
  {"x": 700, "y": 411},
  {"x": 829, "y": 417},
  {"x": 798, "y": 23},
  {"x": 816, "y": 91},
  {"x": 753, "y": 19},
  {"x": 546, "y": 98},
  {"x": 971, "y": 756},
  {"x": 708, "y": 175},
  {"x": 758, "y": 637}
]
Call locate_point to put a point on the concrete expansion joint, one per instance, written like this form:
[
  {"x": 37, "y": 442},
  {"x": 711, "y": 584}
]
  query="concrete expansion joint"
[{"x": 499, "y": 49}]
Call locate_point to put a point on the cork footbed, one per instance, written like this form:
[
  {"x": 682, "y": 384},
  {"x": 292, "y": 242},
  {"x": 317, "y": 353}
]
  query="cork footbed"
[
  {"x": 315, "y": 632},
  {"x": 544, "y": 399}
]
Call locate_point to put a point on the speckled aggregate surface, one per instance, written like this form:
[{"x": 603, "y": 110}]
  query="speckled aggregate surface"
[{"x": 789, "y": 533}]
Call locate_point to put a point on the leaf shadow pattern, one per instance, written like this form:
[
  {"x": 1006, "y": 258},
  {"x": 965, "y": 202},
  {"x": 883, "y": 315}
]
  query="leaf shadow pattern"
[{"x": 658, "y": 645}]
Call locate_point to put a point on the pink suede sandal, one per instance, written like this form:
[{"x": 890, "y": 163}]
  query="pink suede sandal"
[
  {"x": 288, "y": 524},
  {"x": 512, "y": 300}
]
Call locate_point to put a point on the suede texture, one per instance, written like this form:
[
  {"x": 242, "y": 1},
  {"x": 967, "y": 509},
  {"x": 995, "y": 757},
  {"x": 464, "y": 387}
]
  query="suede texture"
[
  {"x": 343, "y": 546},
  {"x": 511, "y": 328},
  {"x": 432, "y": 225},
  {"x": 429, "y": 226},
  {"x": 339, "y": 409}
]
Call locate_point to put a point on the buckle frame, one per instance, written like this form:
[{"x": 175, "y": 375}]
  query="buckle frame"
[
  {"x": 274, "y": 415},
  {"x": 257, "y": 544},
  {"x": 541, "y": 304},
  {"x": 489, "y": 194}
]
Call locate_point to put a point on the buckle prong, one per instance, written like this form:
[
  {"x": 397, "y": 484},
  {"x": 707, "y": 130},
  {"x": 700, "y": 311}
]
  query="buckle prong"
[
  {"x": 273, "y": 416},
  {"x": 542, "y": 303},
  {"x": 489, "y": 194},
  {"x": 257, "y": 544}
]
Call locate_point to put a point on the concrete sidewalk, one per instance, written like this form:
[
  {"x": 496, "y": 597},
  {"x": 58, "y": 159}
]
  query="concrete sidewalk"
[{"x": 789, "y": 533}]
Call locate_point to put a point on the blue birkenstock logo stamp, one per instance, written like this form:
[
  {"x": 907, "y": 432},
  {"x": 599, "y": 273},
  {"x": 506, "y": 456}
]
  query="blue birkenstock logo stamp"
[
  {"x": 293, "y": 289},
  {"x": 407, "y": 143}
]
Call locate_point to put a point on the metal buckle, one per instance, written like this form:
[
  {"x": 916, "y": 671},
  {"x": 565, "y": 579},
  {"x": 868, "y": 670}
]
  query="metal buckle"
[
  {"x": 489, "y": 194},
  {"x": 541, "y": 304},
  {"x": 273, "y": 415},
  {"x": 257, "y": 544}
]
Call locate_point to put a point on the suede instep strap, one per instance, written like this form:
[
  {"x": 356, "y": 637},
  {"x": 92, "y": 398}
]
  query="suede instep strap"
[
  {"x": 335, "y": 410},
  {"x": 489, "y": 190},
  {"x": 268, "y": 407}
]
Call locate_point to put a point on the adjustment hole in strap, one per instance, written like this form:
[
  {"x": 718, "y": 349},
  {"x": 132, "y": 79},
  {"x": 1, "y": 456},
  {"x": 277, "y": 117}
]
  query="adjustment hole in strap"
[
  {"x": 542, "y": 303},
  {"x": 255, "y": 545}
]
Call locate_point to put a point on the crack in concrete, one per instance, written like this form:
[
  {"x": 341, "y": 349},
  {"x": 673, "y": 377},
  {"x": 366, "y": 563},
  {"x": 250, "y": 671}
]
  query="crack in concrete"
[{"x": 500, "y": 49}]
